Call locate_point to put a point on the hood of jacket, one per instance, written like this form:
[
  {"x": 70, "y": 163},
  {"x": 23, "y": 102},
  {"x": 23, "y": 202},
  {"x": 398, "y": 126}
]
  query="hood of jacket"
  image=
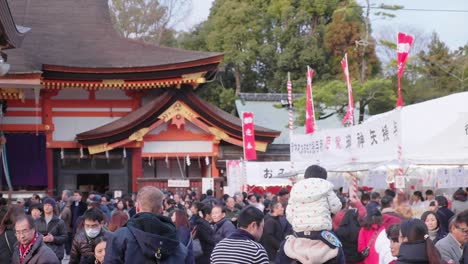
[
  {"x": 309, "y": 190},
  {"x": 155, "y": 234}
]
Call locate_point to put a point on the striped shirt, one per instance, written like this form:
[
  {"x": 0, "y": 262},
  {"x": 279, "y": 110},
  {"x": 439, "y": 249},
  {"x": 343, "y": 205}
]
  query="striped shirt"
[{"x": 239, "y": 248}]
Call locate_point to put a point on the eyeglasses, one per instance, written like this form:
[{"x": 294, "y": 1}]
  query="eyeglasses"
[
  {"x": 465, "y": 231},
  {"x": 22, "y": 232}
]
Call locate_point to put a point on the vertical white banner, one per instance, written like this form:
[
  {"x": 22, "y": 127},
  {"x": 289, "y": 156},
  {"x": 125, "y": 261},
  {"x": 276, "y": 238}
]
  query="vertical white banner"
[{"x": 207, "y": 184}]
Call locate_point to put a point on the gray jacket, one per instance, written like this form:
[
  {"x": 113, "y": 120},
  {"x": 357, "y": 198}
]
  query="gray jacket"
[
  {"x": 39, "y": 254},
  {"x": 449, "y": 248}
]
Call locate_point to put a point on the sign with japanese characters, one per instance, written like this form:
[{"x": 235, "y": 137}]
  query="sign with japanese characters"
[
  {"x": 248, "y": 134},
  {"x": 235, "y": 176},
  {"x": 372, "y": 141},
  {"x": 268, "y": 173}
]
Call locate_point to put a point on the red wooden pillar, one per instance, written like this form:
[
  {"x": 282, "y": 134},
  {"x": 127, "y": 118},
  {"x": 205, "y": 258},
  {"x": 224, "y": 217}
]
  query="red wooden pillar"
[
  {"x": 137, "y": 168},
  {"x": 50, "y": 171},
  {"x": 49, "y": 126}
]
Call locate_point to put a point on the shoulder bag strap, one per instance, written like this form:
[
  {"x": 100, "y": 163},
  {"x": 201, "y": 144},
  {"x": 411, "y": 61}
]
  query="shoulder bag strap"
[{"x": 8, "y": 242}]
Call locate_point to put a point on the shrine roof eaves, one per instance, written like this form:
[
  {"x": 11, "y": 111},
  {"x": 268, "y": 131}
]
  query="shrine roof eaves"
[{"x": 80, "y": 35}]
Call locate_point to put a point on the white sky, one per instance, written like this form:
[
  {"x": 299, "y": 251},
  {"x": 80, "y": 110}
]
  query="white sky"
[{"x": 452, "y": 27}]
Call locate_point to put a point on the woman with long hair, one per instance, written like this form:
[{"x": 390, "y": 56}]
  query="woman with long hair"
[
  {"x": 416, "y": 246},
  {"x": 371, "y": 228},
  {"x": 179, "y": 217},
  {"x": 100, "y": 249},
  {"x": 435, "y": 231},
  {"x": 118, "y": 219},
  {"x": 7, "y": 233}
]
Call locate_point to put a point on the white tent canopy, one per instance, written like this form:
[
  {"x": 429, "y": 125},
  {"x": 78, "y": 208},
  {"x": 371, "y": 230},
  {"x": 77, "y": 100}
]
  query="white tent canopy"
[
  {"x": 435, "y": 131},
  {"x": 432, "y": 132}
]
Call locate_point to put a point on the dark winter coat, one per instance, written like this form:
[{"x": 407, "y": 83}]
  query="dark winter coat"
[
  {"x": 56, "y": 228},
  {"x": 223, "y": 229},
  {"x": 7, "y": 251},
  {"x": 205, "y": 233},
  {"x": 412, "y": 252},
  {"x": 184, "y": 236},
  {"x": 272, "y": 236},
  {"x": 77, "y": 211},
  {"x": 39, "y": 254},
  {"x": 444, "y": 215},
  {"x": 348, "y": 233},
  {"x": 82, "y": 250},
  {"x": 145, "y": 238}
]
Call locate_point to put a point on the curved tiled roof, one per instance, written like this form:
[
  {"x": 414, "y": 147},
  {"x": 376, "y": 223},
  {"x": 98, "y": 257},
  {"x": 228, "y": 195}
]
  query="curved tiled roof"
[
  {"x": 79, "y": 34},
  {"x": 148, "y": 114}
]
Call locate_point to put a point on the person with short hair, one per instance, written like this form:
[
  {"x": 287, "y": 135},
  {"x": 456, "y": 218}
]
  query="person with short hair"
[
  {"x": 241, "y": 246},
  {"x": 444, "y": 213},
  {"x": 77, "y": 208},
  {"x": 374, "y": 202},
  {"x": 30, "y": 247},
  {"x": 210, "y": 199},
  {"x": 202, "y": 230},
  {"x": 311, "y": 203},
  {"x": 82, "y": 246},
  {"x": 148, "y": 237},
  {"x": 435, "y": 231},
  {"x": 460, "y": 201},
  {"x": 393, "y": 234},
  {"x": 36, "y": 210},
  {"x": 273, "y": 231},
  {"x": 451, "y": 246},
  {"x": 222, "y": 226},
  {"x": 52, "y": 228},
  {"x": 7, "y": 233}
]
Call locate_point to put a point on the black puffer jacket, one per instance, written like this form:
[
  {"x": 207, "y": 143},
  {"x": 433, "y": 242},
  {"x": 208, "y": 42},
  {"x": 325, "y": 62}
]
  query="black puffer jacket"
[
  {"x": 82, "y": 250},
  {"x": 56, "y": 228},
  {"x": 272, "y": 236},
  {"x": 205, "y": 233},
  {"x": 7, "y": 249},
  {"x": 413, "y": 252},
  {"x": 348, "y": 233}
]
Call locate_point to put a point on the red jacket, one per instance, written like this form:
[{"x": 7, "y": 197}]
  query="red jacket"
[
  {"x": 339, "y": 216},
  {"x": 366, "y": 238}
]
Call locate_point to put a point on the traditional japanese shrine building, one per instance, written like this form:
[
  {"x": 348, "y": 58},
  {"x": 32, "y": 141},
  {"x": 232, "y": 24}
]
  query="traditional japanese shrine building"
[{"x": 88, "y": 109}]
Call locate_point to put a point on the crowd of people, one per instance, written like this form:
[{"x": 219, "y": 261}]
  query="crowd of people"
[{"x": 310, "y": 223}]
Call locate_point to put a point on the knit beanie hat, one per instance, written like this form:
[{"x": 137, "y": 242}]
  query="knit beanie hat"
[{"x": 50, "y": 201}]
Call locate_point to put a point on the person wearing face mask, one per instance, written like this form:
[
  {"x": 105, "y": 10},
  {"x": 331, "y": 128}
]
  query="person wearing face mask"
[
  {"x": 85, "y": 240},
  {"x": 241, "y": 246}
]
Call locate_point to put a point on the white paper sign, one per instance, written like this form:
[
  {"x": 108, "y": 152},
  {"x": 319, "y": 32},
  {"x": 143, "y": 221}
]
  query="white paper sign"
[
  {"x": 372, "y": 141},
  {"x": 178, "y": 183},
  {"x": 117, "y": 193},
  {"x": 235, "y": 177},
  {"x": 400, "y": 182},
  {"x": 207, "y": 184},
  {"x": 270, "y": 173}
]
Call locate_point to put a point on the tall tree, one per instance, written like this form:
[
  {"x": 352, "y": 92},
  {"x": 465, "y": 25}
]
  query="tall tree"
[{"x": 148, "y": 20}]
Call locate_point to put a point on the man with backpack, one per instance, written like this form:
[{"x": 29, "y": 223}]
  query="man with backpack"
[{"x": 148, "y": 237}]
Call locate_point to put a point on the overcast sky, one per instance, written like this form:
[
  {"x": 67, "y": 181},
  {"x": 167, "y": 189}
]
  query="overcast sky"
[{"x": 451, "y": 26}]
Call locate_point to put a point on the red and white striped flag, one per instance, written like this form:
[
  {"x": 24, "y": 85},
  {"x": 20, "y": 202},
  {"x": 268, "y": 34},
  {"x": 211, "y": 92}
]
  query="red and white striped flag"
[
  {"x": 310, "y": 112},
  {"x": 349, "y": 116},
  {"x": 404, "y": 43}
]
